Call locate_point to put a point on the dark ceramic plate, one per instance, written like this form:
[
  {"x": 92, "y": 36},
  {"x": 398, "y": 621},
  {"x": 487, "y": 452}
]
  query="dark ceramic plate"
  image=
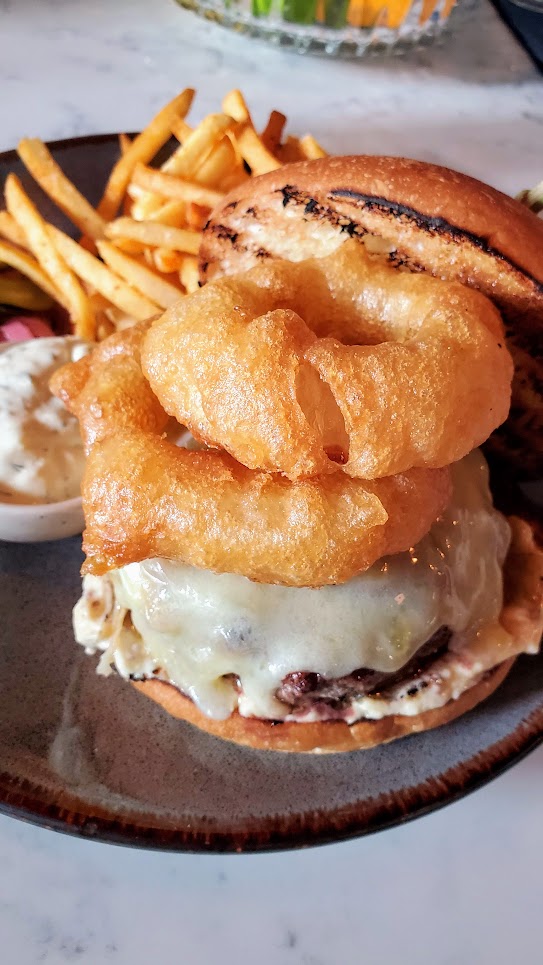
[{"x": 90, "y": 756}]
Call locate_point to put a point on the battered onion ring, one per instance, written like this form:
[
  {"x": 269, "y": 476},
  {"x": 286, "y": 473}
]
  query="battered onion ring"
[
  {"x": 143, "y": 497},
  {"x": 294, "y": 367},
  {"x": 106, "y": 390}
]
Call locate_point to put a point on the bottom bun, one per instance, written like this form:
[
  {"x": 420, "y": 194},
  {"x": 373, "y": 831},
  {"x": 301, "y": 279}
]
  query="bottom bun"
[{"x": 322, "y": 737}]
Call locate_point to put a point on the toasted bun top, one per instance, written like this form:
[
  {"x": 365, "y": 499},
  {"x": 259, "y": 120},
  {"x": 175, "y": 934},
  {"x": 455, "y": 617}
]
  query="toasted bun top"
[{"x": 434, "y": 198}]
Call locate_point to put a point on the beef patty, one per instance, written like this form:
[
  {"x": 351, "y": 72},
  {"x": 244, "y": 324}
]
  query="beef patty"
[{"x": 303, "y": 691}]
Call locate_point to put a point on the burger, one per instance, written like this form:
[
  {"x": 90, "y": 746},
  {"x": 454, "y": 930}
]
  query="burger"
[{"x": 421, "y": 632}]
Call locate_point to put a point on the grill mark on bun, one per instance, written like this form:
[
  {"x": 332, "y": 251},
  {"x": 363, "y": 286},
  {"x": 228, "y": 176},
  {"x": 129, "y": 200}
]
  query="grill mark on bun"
[
  {"x": 291, "y": 194},
  {"x": 317, "y": 211},
  {"x": 222, "y": 231},
  {"x": 428, "y": 223}
]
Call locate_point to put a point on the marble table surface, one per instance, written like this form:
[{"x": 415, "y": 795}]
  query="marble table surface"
[{"x": 459, "y": 886}]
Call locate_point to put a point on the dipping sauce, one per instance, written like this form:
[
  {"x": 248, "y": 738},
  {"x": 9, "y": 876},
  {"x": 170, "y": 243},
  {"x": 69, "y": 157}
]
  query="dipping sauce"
[{"x": 41, "y": 453}]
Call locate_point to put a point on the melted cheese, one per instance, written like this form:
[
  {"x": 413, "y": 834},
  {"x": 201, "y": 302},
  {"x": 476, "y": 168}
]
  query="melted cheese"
[{"x": 198, "y": 629}]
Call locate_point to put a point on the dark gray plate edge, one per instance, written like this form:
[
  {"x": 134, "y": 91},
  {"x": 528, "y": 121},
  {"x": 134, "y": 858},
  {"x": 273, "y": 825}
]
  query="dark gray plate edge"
[
  {"x": 298, "y": 831},
  {"x": 62, "y": 142}
]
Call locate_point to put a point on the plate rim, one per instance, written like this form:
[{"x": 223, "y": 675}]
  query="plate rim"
[{"x": 388, "y": 810}]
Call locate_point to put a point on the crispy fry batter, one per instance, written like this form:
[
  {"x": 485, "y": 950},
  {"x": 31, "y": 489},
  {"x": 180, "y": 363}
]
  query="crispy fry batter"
[
  {"x": 294, "y": 367},
  {"x": 28, "y": 266},
  {"x": 71, "y": 293},
  {"x": 38, "y": 160},
  {"x": 142, "y": 149},
  {"x": 213, "y": 156},
  {"x": 143, "y": 497},
  {"x": 105, "y": 281},
  {"x": 10, "y": 230},
  {"x": 188, "y": 274},
  {"x": 198, "y": 145},
  {"x": 311, "y": 148},
  {"x": 157, "y": 289},
  {"x": 255, "y": 152},
  {"x": 172, "y": 186},
  {"x": 155, "y": 234},
  {"x": 271, "y": 135}
]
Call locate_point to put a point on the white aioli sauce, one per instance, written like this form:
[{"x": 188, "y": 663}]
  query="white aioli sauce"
[
  {"x": 41, "y": 453},
  {"x": 194, "y": 627}
]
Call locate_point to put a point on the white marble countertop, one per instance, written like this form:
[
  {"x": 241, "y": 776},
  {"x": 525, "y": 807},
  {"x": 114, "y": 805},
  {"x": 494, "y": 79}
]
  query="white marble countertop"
[{"x": 460, "y": 886}]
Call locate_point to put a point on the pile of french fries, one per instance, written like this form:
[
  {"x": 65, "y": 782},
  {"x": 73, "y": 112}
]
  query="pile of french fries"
[{"x": 137, "y": 253}]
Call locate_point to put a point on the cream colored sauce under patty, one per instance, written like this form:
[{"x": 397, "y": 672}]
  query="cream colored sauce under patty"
[
  {"x": 192, "y": 627},
  {"x": 41, "y": 452}
]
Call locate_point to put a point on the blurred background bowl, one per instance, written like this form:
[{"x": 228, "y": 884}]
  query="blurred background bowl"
[{"x": 336, "y": 28}]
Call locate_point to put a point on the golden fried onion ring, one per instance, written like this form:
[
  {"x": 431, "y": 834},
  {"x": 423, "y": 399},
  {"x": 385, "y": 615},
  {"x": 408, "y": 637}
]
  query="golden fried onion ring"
[
  {"x": 294, "y": 367},
  {"x": 107, "y": 391},
  {"x": 144, "y": 497}
]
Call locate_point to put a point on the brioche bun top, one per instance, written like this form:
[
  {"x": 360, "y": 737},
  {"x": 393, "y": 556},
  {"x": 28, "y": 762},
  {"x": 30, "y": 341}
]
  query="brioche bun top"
[{"x": 364, "y": 193}]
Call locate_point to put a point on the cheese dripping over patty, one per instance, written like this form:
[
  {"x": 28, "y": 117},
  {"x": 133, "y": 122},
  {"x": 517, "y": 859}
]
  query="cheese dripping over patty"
[{"x": 227, "y": 642}]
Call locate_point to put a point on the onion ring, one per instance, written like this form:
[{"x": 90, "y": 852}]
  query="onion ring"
[
  {"x": 144, "y": 497},
  {"x": 294, "y": 367},
  {"x": 106, "y": 390}
]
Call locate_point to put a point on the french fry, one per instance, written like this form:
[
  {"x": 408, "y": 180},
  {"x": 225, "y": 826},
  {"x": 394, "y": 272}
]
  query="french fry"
[
  {"x": 186, "y": 159},
  {"x": 118, "y": 319},
  {"x": 197, "y": 217},
  {"x": 51, "y": 178},
  {"x": 234, "y": 104},
  {"x": 101, "y": 278},
  {"x": 101, "y": 306},
  {"x": 223, "y": 168},
  {"x": 259, "y": 159},
  {"x": 145, "y": 206},
  {"x": 70, "y": 292},
  {"x": 311, "y": 148},
  {"x": 175, "y": 187},
  {"x": 10, "y": 229},
  {"x": 124, "y": 143},
  {"x": 188, "y": 275},
  {"x": 251, "y": 147},
  {"x": 142, "y": 149},
  {"x": 134, "y": 248},
  {"x": 150, "y": 254},
  {"x": 28, "y": 266},
  {"x": 272, "y": 133},
  {"x": 290, "y": 151},
  {"x": 134, "y": 192},
  {"x": 167, "y": 261},
  {"x": 172, "y": 213},
  {"x": 143, "y": 279},
  {"x": 198, "y": 145},
  {"x": 180, "y": 129},
  {"x": 156, "y": 235}
]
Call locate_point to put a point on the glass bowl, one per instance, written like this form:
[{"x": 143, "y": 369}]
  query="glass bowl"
[{"x": 337, "y": 28}]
